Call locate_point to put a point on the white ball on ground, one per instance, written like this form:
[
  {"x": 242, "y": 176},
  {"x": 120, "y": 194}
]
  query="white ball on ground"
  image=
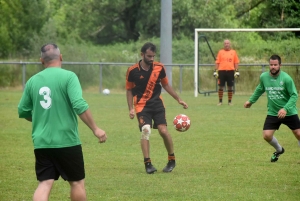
[{"x": 106, "y": 91}]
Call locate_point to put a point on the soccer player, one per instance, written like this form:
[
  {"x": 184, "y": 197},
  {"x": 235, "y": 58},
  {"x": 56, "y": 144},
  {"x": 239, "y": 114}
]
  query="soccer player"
[
  {"x": 226, "y": 69},
  {"x": 51, "y": 100},
  {"x": 282, "y": 98},
  {"x": 143, "y": 90}
]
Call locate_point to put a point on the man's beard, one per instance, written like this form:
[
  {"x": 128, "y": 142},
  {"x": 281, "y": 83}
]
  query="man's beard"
[
  {"x": 275, "y": 73},
  {"x": 148, "y": 62}
]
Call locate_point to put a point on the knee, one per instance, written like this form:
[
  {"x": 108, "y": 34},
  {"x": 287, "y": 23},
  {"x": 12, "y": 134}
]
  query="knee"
[
  {"x": 267, "y": 137},
  {"x": 146, "y": 131},
  {"x": 46, "y": 183},
  {"x": 297, "y": 134},
  {"x": 163, "y": 131},
  {"x": 79, "y": 183}
]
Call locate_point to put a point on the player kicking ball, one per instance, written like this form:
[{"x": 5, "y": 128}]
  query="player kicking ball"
[{"x": 144, "y": 81}]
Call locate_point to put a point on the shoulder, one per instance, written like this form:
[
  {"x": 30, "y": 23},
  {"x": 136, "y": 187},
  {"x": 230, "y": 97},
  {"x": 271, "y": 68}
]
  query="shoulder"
[
  {"x": 264, "y": 74},
  {"x": 158, "y": 64},
  {"x": 30, "y": 80},
  {"x": 286, "y": 75},
  {"x": 66, "y": 73},
  {"x": 134, "y": 66},
  {"x": 233, "y": 51}
]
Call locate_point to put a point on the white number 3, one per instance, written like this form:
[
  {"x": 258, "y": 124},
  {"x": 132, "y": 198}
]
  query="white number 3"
[{"x": 46, "y": 92}]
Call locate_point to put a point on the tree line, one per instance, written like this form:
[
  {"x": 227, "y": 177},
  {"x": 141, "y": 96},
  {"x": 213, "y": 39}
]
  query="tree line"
[{"x": 25, "y": 24}]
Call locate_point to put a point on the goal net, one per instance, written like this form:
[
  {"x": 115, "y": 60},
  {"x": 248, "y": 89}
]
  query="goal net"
[{"x": 203, "y": 31}]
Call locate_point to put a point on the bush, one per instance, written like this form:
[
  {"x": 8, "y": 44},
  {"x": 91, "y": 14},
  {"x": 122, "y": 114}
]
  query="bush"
[
  {"x": 10, "y": 75},
  {"x": 249, "y": 46}
]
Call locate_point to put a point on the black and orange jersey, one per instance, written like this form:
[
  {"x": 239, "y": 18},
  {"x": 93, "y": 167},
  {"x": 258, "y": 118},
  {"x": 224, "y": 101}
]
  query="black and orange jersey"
[{"x": 146, "y": 85}]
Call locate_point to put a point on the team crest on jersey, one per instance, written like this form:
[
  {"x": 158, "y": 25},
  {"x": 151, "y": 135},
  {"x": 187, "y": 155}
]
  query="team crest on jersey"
[{"x": 281, "y": 83}]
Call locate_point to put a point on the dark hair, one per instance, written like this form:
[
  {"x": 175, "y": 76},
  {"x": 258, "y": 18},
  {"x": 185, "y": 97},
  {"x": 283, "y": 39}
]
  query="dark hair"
[
  {"x": 147, "y": 46},
  {"x": 48, "y": 46},
  {"x": 276, "y": 57},
  {"x": 50, "y": 52}
]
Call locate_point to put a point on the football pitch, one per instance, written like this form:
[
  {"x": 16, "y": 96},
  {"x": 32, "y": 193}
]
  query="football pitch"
[{"x": 221, "y": 157}]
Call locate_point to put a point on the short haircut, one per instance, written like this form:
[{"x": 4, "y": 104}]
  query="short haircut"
[
  {"x": 147, "y": 46},
  {"x": 50, "y": 52},
  {"x": 276, "y": 57}
]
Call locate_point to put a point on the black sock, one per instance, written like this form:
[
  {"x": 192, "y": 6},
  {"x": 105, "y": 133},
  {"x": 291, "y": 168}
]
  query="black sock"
[
  {"x": 147, "y": 160},
  {"x": 171, "y": 157}
]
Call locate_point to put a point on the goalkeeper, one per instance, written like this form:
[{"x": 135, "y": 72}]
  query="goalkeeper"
[{"x": 226, "y": 70}]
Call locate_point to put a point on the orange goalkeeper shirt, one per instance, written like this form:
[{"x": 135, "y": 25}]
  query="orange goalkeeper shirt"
[{"x": 227, "y": 59}]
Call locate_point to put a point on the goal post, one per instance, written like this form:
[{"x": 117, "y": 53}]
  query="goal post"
[{"x": 196, "y": 73}]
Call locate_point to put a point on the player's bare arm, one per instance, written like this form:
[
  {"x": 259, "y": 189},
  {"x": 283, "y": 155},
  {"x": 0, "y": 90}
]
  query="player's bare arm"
[
  {"x": 87, "y": 118},
  {"x": 130, "y": 103},
  {"x": 236, "y": 66},
  {"x": 171, "y": 91},
  {"x": 216, "y": 66}
]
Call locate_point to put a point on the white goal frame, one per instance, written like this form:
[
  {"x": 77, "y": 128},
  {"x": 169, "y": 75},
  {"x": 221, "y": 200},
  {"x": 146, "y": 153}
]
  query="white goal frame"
[{"x": 226, "y": 30}]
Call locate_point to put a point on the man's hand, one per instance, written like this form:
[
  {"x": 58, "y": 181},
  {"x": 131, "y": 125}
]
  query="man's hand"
[
  {"x": 131, "y": 114},
  {"x": 247, "y": 104},
  {"x": 216, "y": 74},
  {"x": 236, "y": 74},
  {"x": 101, "y": 135},
  {"x": 185, "y": 106},
  {"x": 281, "y": 113}
]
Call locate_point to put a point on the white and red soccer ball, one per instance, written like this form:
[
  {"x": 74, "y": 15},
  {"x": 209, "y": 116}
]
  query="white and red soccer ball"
[{"x": 182, "y": 123}]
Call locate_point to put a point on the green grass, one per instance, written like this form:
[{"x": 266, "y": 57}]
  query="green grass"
[{"x": 221, "y": 157}]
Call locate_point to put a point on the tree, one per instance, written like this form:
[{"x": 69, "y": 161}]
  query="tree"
[
  {"x": 19, "y": 19},
  {"x": 272, "y": 14}
]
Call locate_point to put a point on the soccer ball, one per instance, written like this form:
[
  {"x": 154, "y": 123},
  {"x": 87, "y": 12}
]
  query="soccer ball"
[
  {"x": 182, "y": 123},
  {"x": 106, "y": 91}
]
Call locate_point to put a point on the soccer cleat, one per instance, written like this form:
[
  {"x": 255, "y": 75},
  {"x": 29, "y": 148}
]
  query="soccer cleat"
[
  {"x": 170, "y": 166},
  {"x": 276, "y": 155},
  {"x": 150, "y": 169},
  {"x": 220, "y": 103},
  {"x": 230, "y": 104}
]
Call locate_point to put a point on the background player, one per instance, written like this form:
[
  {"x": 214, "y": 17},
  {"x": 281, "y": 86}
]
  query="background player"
[
  {"x": 282, "y": 98},
  {"x": 226, "y": 70}
]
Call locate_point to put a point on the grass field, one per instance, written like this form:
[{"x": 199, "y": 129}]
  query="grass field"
[{"x": 221, "y": 157}]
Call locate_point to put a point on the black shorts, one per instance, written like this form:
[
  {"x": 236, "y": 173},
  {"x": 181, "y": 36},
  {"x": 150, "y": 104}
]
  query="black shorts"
[
  {"x": 50, "y": 163},
  {"x": 226, "y": 76},
  {"x": 158, "y": 115},
  {"x": 273, "y": 122}
]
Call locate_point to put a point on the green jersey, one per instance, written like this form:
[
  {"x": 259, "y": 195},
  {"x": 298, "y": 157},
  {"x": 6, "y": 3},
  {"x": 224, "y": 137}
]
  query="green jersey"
[
  {"x": 281, "y": 93},
  {"x": 53, "y": 98}
]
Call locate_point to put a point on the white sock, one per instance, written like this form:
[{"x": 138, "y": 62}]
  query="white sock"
[{"x": 274, "y": 143}]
